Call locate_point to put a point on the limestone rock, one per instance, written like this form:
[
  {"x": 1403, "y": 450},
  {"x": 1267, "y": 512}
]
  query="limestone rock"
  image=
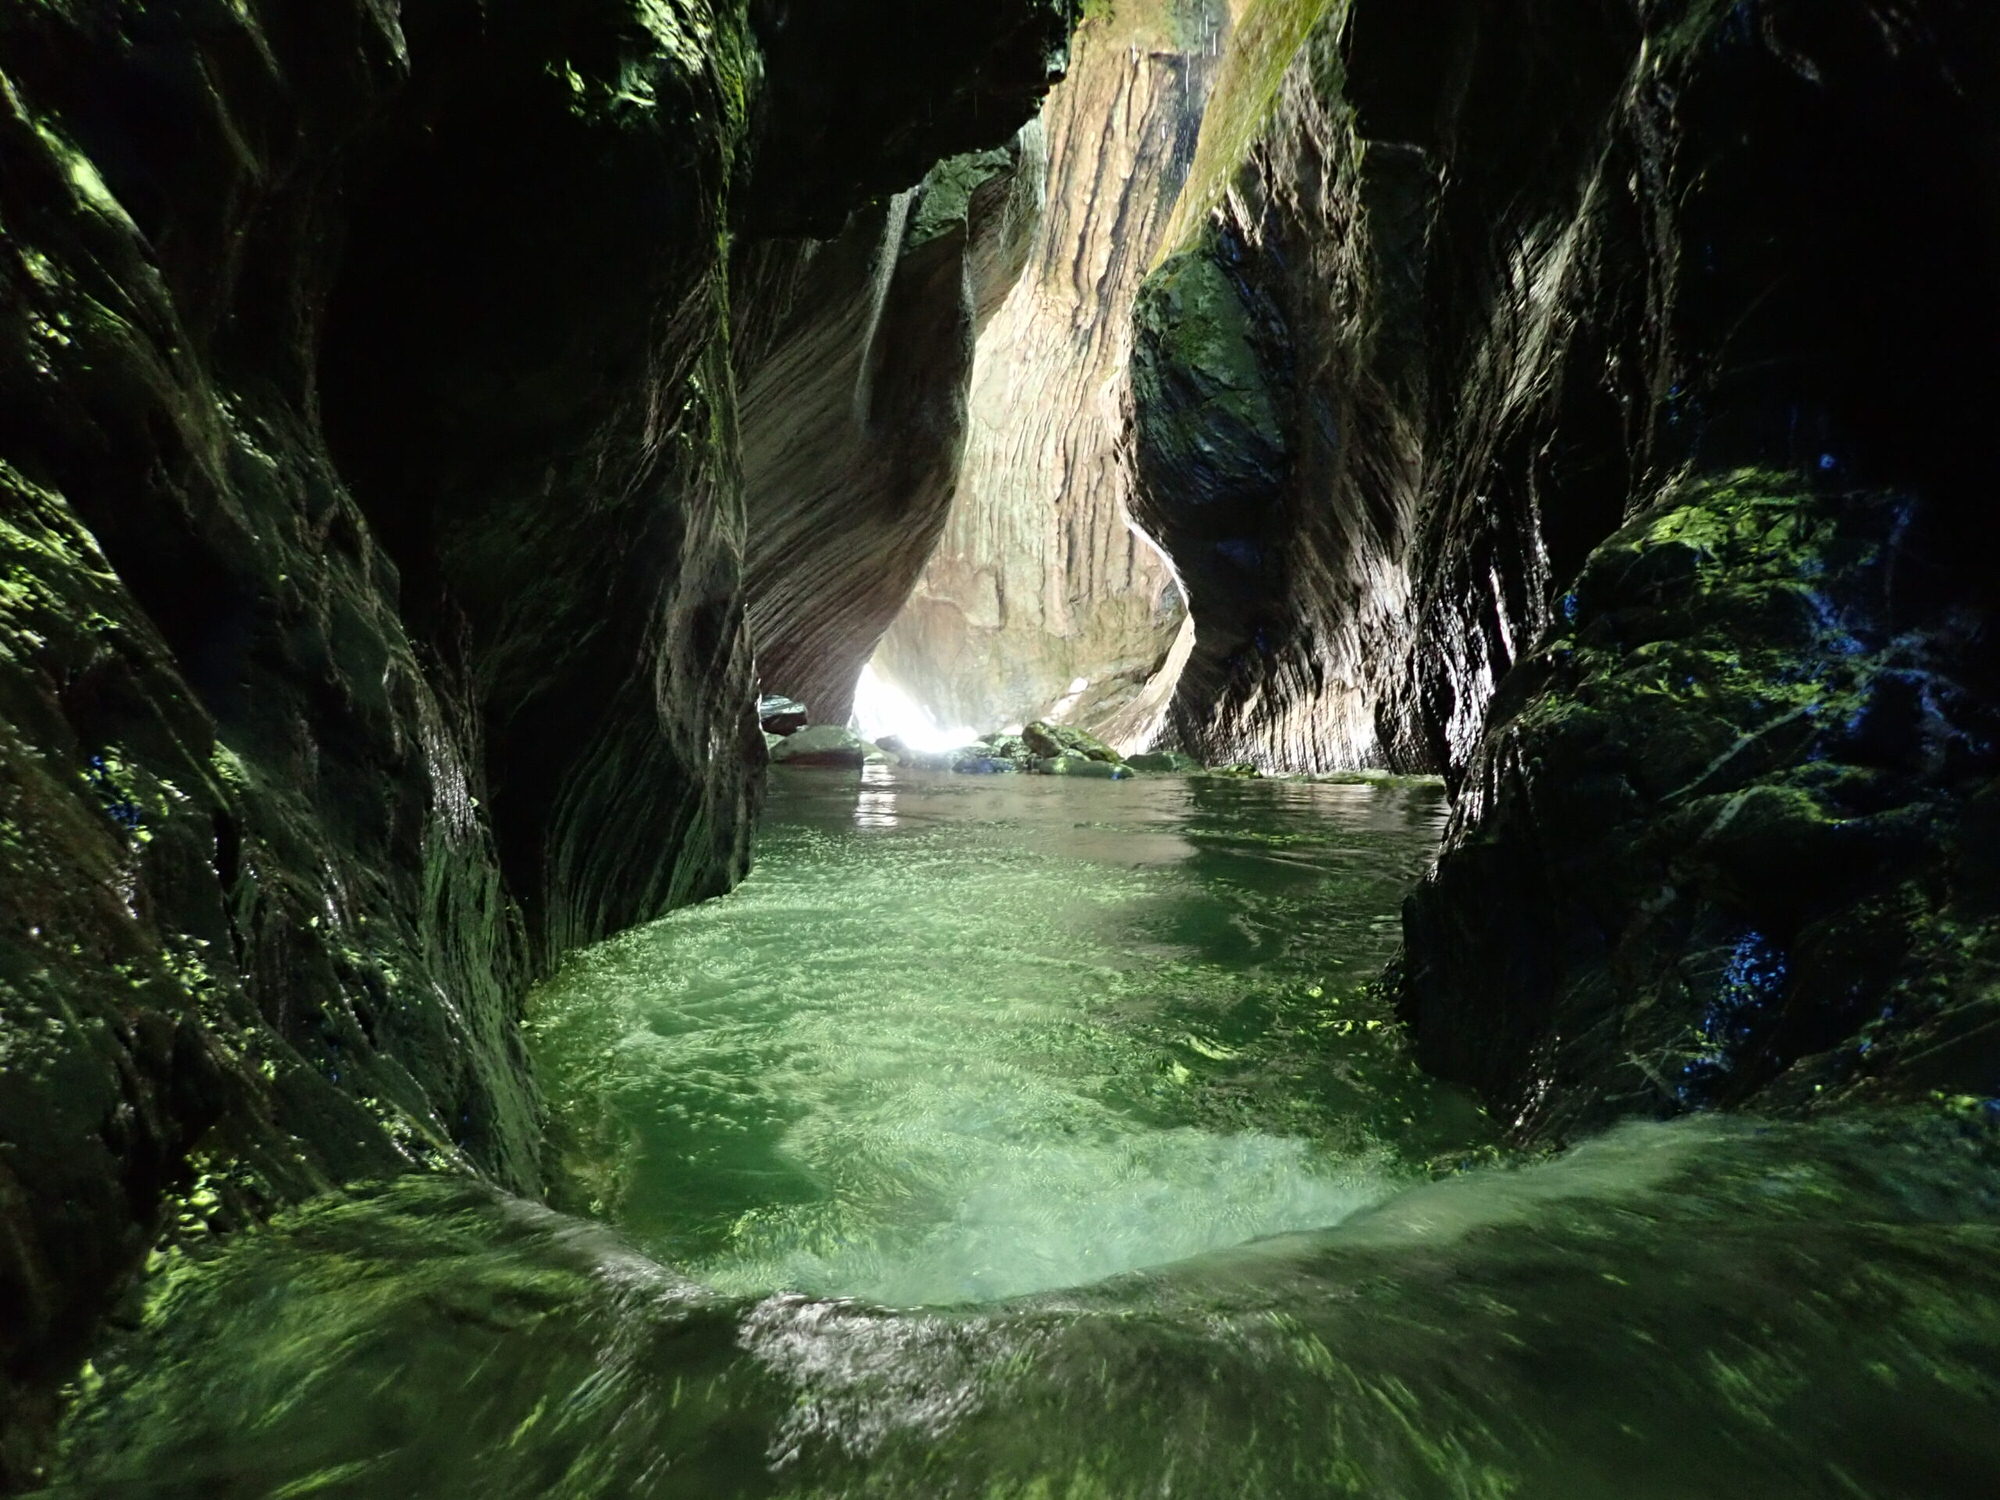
[
  {"x": 1039, "y": 579},
  {"x": 853, "y": 359},
  {"x": 822, "y": 745},
  {"x": 782, "y": 716},
  {"x": 372, "y": 627}
]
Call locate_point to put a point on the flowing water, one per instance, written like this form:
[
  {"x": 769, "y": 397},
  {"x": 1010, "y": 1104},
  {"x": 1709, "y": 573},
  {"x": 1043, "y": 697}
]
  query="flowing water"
[
  {"x": 1011, "y": 1137},
  {"x": 966, "y": 1037}
]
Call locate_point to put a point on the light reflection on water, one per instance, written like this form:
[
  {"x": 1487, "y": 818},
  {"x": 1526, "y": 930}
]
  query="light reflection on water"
[{"x": 875, "y": 806}]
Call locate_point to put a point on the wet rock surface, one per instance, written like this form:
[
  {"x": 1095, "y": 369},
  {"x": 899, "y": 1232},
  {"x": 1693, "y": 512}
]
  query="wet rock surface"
[
  {"x": 820, "y": 745},
  {"x": 1729, "y": 837},
  {"x": 411, "y": 423},
  {"x": 1451, "y": 302},
  {"x": 1455, "y": 290},
  {"x": 372, "y": 623},
  {"x": 1038, "y": 581},
  {"x": 854, "y": 359}
]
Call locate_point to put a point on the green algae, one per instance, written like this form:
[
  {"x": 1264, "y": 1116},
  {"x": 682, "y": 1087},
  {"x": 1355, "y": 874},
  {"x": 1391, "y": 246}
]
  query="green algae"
[
  {"x": 1191, "y": 319},
  {"x": 1716, "y": 819},
  {"x": 943, "y": 206}
]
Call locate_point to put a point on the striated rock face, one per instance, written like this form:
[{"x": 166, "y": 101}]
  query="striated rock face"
[
  {"x": 371, "y": 626},
  {"x": 854, "y": 359},
  {"x": 1458, "y": 292},
  {"x": 1038, "y": 578}
]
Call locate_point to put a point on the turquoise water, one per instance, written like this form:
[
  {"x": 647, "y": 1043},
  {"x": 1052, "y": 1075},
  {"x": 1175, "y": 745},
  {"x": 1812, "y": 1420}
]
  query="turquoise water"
[
  {"x": 961, "y": 1038},
  {"x": 1036, "y": 1140}
]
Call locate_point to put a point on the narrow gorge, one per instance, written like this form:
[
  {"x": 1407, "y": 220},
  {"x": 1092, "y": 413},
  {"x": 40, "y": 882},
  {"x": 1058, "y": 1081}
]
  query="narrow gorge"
[{"x": 1059, "y": 748}]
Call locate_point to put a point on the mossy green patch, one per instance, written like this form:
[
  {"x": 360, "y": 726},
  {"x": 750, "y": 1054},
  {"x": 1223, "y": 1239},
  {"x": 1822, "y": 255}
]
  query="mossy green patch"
[
  {"x": 1262, "y": 47},
  {"x": 1192, "y": 320}
]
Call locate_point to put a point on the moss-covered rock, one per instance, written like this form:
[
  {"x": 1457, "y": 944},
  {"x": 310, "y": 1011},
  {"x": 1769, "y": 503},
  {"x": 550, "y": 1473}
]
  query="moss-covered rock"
[
  {"x": 1729, "y": 836},
  {"x": 1170, "y": 761},
  {"x": 371, "y": 622},
  {"x": 1077, "y": 765},
  {"x": 1049, "y": 741}
]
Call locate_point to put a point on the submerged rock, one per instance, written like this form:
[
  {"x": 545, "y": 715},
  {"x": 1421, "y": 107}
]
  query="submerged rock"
[
  {"x": 1077, "y": 765},
  {"x": 1164, "y": 760},
  {"x": 984, "y": 765},
  {"x": 823, "y": 745}
]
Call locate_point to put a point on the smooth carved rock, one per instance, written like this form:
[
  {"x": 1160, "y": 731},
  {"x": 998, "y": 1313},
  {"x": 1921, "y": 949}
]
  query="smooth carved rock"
[
  {"x": 853, "y": 367},
  {"x": 372, "y": 627},
  {"x": 782, "y": 716},
  {"x": 1402, "y": 370},
  {"x": 1039, "y": 578}
]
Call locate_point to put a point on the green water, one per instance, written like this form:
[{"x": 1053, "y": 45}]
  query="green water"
[
  {"x": 962, "y": 1038},
  {"x": 1036, "y": 1140}
]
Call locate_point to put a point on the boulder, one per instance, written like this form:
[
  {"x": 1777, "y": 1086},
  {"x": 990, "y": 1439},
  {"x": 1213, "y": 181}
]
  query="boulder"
[
  {"x": 782, "y": 716},
  {"x": 984, "y": 765},
  {"x": 1077, "y": 765},
  {"x": 1050, "y": 740},
  {"x": 821, "y": 745}
]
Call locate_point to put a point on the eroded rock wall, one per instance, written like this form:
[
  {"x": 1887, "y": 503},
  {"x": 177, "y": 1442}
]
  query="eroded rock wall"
[
  {"x": 854, "y": 363},
  {"x": 1460, "y": 291},
  {"x": 371, "y": 627},
  {"x": 1038, "y": 579}
]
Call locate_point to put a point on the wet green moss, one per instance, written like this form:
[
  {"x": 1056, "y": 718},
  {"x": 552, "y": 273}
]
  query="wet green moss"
[
  {"x": 1191, "y": 319},
  {"x": 1720, "y": 828}
]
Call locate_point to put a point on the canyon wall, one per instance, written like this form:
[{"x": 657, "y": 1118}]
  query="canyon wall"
[
  {"x": 372, "y": 621},
  {"x": 1627, "y": 361},
  {"x": 1038, "y": 579},
  {"x": 853, "y": 360}
]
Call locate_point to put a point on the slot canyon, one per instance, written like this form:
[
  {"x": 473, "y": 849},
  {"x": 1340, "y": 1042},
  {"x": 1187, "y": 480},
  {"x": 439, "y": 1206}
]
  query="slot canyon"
[{"x": 1024, "y": 750}]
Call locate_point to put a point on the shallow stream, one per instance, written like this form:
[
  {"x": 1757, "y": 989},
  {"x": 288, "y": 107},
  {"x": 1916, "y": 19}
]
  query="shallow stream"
[{"x": 1022, "y": 1137}]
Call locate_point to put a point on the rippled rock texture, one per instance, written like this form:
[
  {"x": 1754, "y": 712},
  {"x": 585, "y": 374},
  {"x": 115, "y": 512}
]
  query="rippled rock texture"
[
  {"x": 1456, "y": 289},
  {"x": 371, "y": 626},
  {"x": 1038, "y": 579},
  {"x": 1459, "y": 292},
  {"x": 854, "y": 362}
]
